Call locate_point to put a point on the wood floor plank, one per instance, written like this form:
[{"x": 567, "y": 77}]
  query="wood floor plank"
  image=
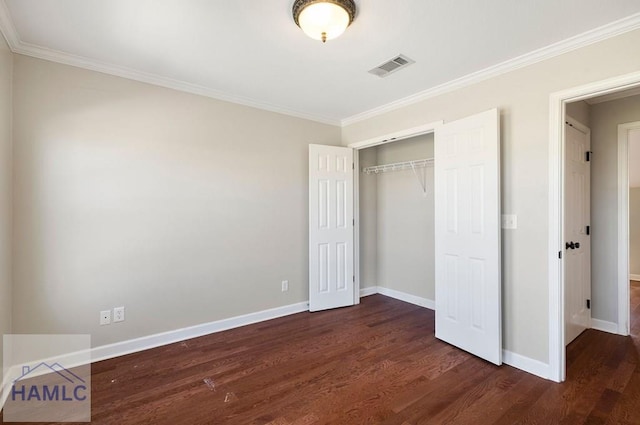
[{"x": 375, "y": 363}]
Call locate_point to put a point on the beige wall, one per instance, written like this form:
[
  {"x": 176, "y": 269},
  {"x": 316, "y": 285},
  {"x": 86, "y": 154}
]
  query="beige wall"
[
  {"x": 181, "y": 208},
  {"x": 580, "y": 111},
  {"x": 523, "y": 99},
  {"x": 605, "y": 118},
  {"x": 634, "y": 231},
  {"x": 405, "y": 221},
  {"x": 6, "y": 72},
  {"x": 368, "y": 192}
]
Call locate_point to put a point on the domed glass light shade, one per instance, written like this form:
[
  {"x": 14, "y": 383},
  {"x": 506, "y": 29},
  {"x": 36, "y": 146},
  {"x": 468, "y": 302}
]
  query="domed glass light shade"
[{"x": 324, "y": 19}]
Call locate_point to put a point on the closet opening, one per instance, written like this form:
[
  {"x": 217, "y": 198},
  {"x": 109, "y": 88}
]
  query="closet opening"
[{"x": 396, "y": 219}]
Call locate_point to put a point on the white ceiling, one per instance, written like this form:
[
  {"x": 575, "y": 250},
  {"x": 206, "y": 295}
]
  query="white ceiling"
[{"x": 251, "y": 51}]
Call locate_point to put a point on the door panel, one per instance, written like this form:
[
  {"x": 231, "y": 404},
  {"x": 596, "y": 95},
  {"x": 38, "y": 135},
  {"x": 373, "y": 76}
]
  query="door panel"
[
  {"x": 331, "y": 267},
  {"x": 467, "y": 220},
  {"x": 577, "y": 216}
]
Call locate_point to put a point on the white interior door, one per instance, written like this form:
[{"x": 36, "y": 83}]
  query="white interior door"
[
  {"x": 577, "y": 258},
  {"x": 467, "y": 235},
  {"x": 331, "y": 222}
]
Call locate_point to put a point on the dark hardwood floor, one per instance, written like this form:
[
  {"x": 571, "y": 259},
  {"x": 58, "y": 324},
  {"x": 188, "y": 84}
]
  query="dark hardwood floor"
[{"x": 376, "y": 363}]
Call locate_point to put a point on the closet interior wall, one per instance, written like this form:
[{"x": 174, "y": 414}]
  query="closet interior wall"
[{"x": 397, "y": 220}]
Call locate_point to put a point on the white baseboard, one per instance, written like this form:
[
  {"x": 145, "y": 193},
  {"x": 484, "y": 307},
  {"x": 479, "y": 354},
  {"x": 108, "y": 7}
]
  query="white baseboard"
[
  {"x": 526, "y": 364},
  {"x": 604, "y": 326},
  {"x": 118, "y": 349},
  {"x": 408, "y": 298},
  {"x": 146, "y": 342},
  {"x": 635, "y": 277},
  {"x": 370, "y": 290},
  {"x": 518, "y": 361}
]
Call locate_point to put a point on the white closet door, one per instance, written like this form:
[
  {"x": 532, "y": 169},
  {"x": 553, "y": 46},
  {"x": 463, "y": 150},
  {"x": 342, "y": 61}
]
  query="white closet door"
[
  {"x": 467, "y": 235},
  {"x": 331, "y": 268}
]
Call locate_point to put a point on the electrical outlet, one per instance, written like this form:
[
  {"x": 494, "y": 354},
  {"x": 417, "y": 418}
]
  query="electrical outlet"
[
  {"x": 105, "y": 317},
  {"x": 118, "y": 314},
  {"x": 285, "y": 285}
]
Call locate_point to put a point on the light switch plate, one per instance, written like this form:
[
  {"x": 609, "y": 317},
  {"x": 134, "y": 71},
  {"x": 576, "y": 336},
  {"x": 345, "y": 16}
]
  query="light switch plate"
[{"x": 509, "y": 221}]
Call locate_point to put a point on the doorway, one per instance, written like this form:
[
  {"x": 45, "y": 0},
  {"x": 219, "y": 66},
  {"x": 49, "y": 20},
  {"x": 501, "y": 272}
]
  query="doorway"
[
  {"x": 611, "y": 156},
  {"x": 629, "y": 163},
  {"x": 557, "y": 217}
]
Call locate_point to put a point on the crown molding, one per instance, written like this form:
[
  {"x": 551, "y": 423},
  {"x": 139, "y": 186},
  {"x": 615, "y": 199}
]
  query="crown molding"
[
  {"x": 144, "y": 77},
  {"x": 604, "y": 32},
  {"x": 7, "y": 28}
]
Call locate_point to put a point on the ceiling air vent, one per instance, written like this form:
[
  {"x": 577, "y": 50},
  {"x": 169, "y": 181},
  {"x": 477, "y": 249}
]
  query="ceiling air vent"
[{"x": 389, "y": 67}]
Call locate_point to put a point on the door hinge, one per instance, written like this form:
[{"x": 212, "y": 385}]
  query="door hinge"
[
  {"x": 560, "y": 255},
  {"x": 589, "y": 304},
  {"x": 354, "y": 278},
  {"x": 353, "y": 165},
  {"x": 588, "y": 230},
  {"x": 354, "y": 221},
  {"x": 588, "y": 155}
]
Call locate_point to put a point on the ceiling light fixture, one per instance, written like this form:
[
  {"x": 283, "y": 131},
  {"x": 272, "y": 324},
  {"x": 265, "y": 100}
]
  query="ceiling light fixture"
[{"x": 324, "y": 19}]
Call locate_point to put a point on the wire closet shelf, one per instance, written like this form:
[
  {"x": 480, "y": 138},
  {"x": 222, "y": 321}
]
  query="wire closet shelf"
[
  {"x": 398, "y": 166},
  {"x": 406, "y": 165}
]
